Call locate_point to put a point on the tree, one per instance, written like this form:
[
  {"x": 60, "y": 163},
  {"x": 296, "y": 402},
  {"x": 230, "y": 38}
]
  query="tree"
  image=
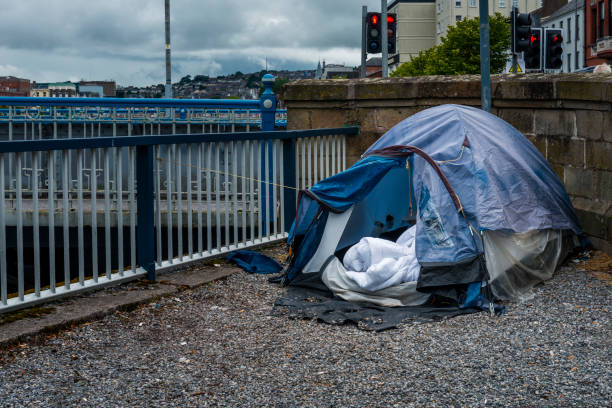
[
  {"x": 459, "y": 52},
  {"x": 185, "y": 80},
  {"x": 276, "y": 87},
  {"x": 201, "y": 78}
]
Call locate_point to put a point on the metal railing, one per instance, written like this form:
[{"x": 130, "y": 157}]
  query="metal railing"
[
  {"x": 95, "y": 117},
  {"x": 134, "y": 205}
]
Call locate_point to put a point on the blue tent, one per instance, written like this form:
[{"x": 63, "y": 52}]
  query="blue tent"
[{"x": 489, "y": 211}]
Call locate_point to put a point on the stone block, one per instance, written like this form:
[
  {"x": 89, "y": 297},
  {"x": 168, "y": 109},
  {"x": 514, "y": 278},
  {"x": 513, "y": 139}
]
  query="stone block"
[
  {"x": 522, "y": 119},
  {"x": 607, "y": 126},
  {"x": 539, "y": 142},
  {"x": 299, "y": 119},
  {"x": 559, "y": 171},
  {"x": 449, "y": 87},
  {"x": 328, "y": 118},
  {"x": 565, "y": 151},
  {"x": 394, "y": 88},
  {"x": 599, "y": 155},
  {"x": 519, "y": 88},
  {"x": 316, "y": 90},
  {"x": 579, "y": 182},
  {"x": 387, "y": 118},
  {"x": 592, "y": 216},
  {"x": 604, "y": 185},
  {"x": 589, "y": 124},
  {"x": 554, "y": 122},
  {"x": 587, "y": 88},
  {"x": 366, "y": 118}
]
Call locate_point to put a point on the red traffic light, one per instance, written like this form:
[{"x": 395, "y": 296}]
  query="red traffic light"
[
  {"x": 534, "y": 38},
  {"x": 374, "y": 19},
  {"x": 557, "y": 38},
  {"x": 390, "y": 19}
]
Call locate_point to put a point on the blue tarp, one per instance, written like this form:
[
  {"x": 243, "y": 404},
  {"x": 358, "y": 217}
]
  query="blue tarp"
[
  {"x": 254, "y": 262},
  {"x": 501, "y": 180}
]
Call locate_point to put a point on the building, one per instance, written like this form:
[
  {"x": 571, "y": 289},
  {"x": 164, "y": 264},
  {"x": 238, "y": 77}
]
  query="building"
[
  {"x": 62, "y": 90},
  {"x": 13, "y": 86},
  {"x": 374, "y": 67},
  {"x": 570, "y": 18},
  {"x": 91, "y": 91},
  {"x": 416, "y": 28},
  {"x": 448, "y": 12},
  {"x": 40, "y": 90},
  {"x": 421, "y": 24},
  {"x": 337, "y": 71},
  {"x": 598, "y": 30},
  {"x": 109, "y": 87}
]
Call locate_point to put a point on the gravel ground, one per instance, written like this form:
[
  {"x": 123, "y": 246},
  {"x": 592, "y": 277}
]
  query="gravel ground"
[{"x": 218, "y": 346}]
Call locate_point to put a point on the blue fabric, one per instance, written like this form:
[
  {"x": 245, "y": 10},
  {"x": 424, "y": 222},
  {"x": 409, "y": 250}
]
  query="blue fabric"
[
  {"x": 344, "y": 189},
  {"x": 254, "y": 262},
  {"x": 474, "y": 298},
  {"x": 501, "y": 177}
]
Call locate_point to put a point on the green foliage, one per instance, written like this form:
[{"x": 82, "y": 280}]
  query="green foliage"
[
  {"x": 276, "y": 88},
  {"x": 459, "y": 52},
  {"x": 252, "y": 82},
  {"x": 201, "y": 78},
  {"x": 185, "y": 80}
]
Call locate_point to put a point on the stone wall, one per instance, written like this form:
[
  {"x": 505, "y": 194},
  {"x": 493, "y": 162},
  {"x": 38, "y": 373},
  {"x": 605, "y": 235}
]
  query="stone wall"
[{"x": 567, "y": 117}]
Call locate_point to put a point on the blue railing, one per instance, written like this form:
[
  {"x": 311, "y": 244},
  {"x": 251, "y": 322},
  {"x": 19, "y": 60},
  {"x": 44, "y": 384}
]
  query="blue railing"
[
  {"x": 136, "y": 111},
  {"x": 80, "y": 213},
  {"x": 229, "y": 113}
]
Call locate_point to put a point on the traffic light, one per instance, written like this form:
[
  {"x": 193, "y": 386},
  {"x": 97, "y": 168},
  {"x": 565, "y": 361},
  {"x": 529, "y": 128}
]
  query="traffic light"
[
  {"x": 554, "y": 48},
  {"x": 533, "y": 54},
  {"x": 520, "y": 28},
  {"x": 391, "y": 30},
  {"x": 374, "y": 39}
]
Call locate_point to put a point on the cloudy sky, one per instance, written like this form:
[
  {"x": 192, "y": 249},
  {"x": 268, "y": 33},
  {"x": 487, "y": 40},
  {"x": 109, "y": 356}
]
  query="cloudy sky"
[{"x": 57, "y": 40}]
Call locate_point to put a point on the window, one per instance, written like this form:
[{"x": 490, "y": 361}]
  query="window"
[
  {"x": 577, "y": 34},
  {"x": 438, "y": 28},
  {"x": 577, "y": 64},
  {"x": 610, "y": 18},
  {"x": 569, "y": 62},
  {"x": 472, "y": 3},
  {"x": 502, "y": 3},
  {"x": 561, "y": 24},
  {"x": 569, "y": 30},
  {"x": 439, "y": 7},
  {"x": 601, "y": 19},
  {"x": 594, "y": 14},
  {"x": 457, "y": 3},
  {"x": 457, "y": 17},
  {"x": 553, "y": 26}
]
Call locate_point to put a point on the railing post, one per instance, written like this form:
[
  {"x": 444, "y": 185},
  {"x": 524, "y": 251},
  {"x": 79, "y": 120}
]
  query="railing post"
[
  {"x": 144, "y": 200},
  {"x": 289, "y": 158},
  {"x": 267, "y": 105}
]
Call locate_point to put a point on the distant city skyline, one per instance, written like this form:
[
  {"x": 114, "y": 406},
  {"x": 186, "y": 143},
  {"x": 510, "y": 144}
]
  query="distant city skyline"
[{"x": 59, "y": 40}]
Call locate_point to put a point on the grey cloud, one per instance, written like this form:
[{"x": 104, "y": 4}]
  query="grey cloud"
[{"x": 125, "y": 39}]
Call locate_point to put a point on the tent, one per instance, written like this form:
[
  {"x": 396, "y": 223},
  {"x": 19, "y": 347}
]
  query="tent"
[{"x": 492, "y": 218}]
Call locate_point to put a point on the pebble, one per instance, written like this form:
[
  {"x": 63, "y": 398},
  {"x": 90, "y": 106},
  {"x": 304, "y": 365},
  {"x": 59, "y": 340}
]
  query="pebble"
[{"x": 553, "y": 350}]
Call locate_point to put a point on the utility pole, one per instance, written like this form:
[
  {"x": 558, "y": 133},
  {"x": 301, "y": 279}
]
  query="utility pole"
[
  {"x": 364, "y": 54},
  {"x": 385, "y": 38},
  {"x": 168, "y": 92},
  {"x": 485, "y": 67}
]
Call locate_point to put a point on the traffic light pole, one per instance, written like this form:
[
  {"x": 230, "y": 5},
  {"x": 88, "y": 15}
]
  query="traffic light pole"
[
  {"x": 364, "y": 54},
  {"x": 384, "y": 38},
  {"x": 485, "y": 67}
]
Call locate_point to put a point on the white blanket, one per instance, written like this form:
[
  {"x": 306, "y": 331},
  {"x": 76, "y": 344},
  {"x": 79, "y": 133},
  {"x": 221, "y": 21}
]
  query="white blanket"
[{"x": 375, "y": 263}]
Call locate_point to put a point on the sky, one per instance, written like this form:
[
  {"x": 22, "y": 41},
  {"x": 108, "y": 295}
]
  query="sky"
[{"x": 124, "y": 40}]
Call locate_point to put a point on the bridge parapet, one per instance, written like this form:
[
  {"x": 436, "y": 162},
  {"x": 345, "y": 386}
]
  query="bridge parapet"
[{"x": 568, "y": 117}]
